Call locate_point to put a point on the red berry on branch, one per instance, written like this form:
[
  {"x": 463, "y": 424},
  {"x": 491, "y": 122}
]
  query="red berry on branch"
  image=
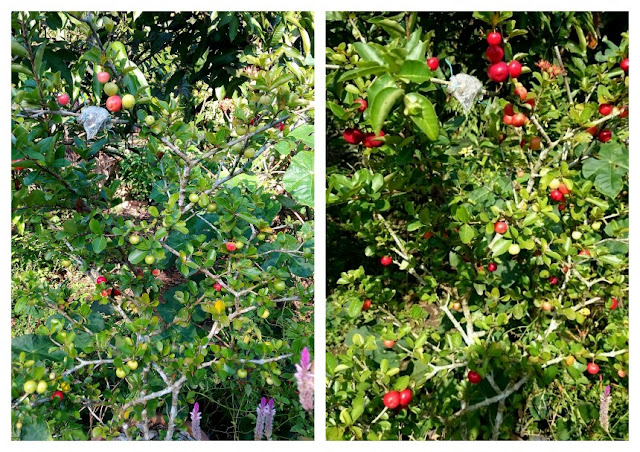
[
  {"x": 103, "y": 77},
  {"x": 605, "y": 109},
  {"x": 614, "y": 303},
  {"x": 515, "y": 69},
  {"x": 519, "y": 119},
  {"x": 352, "y": 136},
  {"x": 593, "y": 368},
  {"x": 556, "y": 195},
  {"x": 231, "y": 246},
  {"x": 101, "y": 279},
  {"x": 584, "y": 252},
  {"x": 624, "y": 111},
  {"x": 500, "y": 227},
  {"x": 405, "y": 397},
  {"x": 494, "y": 38},
  {"x": 114, "y": 103},
  {"x": 624, "y": 65},
  {"x": 59, "y": 395},
  {"x": 362, "y": 103},
  {"x": 433, "y": 63},
  {"x": 474, "y": 377},
  {"x": 370, "y": 140},
  {"x": 217, "y": 287},
  {"x": 553, "y": 280},
  {"x": 604, "y": 135},
  {"x": 386, "y": 260},
  {"x": 366, "y": 305},
  {"x": 507, "y": 119},
  {"x": 492, "y": 267},
  {"x": 508, "y": 110},
  {"x": 592, "y": 130},
  {"x": 63, "y": 99},
  {"x": 281, "y": 126},
  {"x": 391, "y": 399},
  {"x": 498, "y": 72},
  {"x": 562, "y": 188},
  {"x": 494, "y": 54}
]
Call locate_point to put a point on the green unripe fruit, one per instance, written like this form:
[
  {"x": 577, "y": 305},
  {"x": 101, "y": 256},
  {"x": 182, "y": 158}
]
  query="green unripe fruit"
[
  {"x": 30, "y": 387},
  {"x": 249, "y": 153},
  {"x": 236, "y": 147},
  {"x": 239, "y": 245},
  {"x": 269, "y": 381},
  {"x": 279, "y": 285},
  {"x": 149, "y": 259},
  {"x": 65, "y": 262},
  {"x": 42, "y": 387},
  {"x": 203, "y": 201},
  {"x": 52, "y": 376},
  {"x": 596, "y": 226},
  {"x": 134, "y": 239},
  {"x": 193, "y": 197},
  {"x": 128, "y": 101},
  {"x": 110, "y": 89},
  {"x": 554, "y": 184},
  {"x": 212, "y": 207},
  {"x": 265, "y": 314},
  {"x": 265, "y": 100},
  {"x": 149, "y": 120},
  {"x": 133, "y": 365},
  {"x": 261, "y": 236},
  {"x": 241, "y": 129},
  {"x": 120, "y": 373},
  {"x": 242, "y": 373},
  {"x": 514, "y": 249},
  {"x": 576, "y": 235}
]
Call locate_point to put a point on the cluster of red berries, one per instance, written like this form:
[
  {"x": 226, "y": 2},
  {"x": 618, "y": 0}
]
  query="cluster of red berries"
[
  {"x": 499, "y": 70},
  {"x": 558, "y": 193},
  {"x": 355, "y": 136},
  {"x": 108, "y": 291},
  {"x": 511, "y": 118},
  {"x": 395, "y": 399},
  {"x": 604, "y": 135}
]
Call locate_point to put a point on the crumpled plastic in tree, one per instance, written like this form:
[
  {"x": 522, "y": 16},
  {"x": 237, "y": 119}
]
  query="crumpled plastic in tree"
[
  {"x": 466, "y": 88},
  {"x": 93, "y": 119}
]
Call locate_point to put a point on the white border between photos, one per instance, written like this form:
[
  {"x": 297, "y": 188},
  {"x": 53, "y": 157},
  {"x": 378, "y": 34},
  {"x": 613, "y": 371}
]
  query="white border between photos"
[{"x": 320, "y": 7}]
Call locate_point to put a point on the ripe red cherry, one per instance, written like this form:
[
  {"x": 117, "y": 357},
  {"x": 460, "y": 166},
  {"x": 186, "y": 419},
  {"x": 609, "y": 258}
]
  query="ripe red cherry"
[
  {"x": 614, "y": 303},
  {"x": 561, "y": 206},
  {"x": 104, "y": 293},
  {"x": 508, "y": 110},
  {"x": 391, "y": 399},
  {"x": 494, "y": 54},
  {"x": 116, "y": 292},
  {"x": 281, "y": 126},
  {"x": 604, "y": 135},
  {"x": 217, "y": 287},
  {"x": 114, "y": 103},
  {"x": 592, "y": 130},
  {"x": 494, "y": 38},
  {"x": 593, "y": 368},
  {"x": 58, "y": 394},
  {"x": 624, "y": 111},
  {"x": 389, "y": 344},
  {"x": 101, "y": 279},
  {"x": 63, "y": 99},
  {"x": 405, "y": 397},
  {"x": 498, "y": 72},
  {"x": 553, "y": 280},
  {"x": 584, "y": 252},
  {"x": 624, "y": 65},
  {"x": 515, "y": 69},
  {"x": 492, "y": 267},
  {"x": 535, "y": 143},
  {"x": 363, "y": 105},
  {"x": 500, "y": 227},
  {"x": 520, "y": 91},
  {"x": 531, "y": 102},
  {"x": 103, "y": 77},
  {"x": 474, "y": 377},
  {"x": 370, "y": 140},
  {"x": 386, "y": 260},
  {"x": 605, "y": 109},
  {"x": 352, "y": 136},
  {"x": 508, "y": 119},
  {"x": 155, "y": 272},
  {"x": 231, "y": 246},
  {"x": 427, "y": 235},
  {"x": 562, "y": 188},
  {"x": 366, "y": 305},
  {"x": 556, "y": 195},
  {"x": 519, "y": 119},
  {"x": 433, "y": 63}
]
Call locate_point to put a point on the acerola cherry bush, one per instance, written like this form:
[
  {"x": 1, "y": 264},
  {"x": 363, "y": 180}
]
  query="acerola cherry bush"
[
  {"x": 195, "y": 268},
  {"x": 505, "y": 323}
]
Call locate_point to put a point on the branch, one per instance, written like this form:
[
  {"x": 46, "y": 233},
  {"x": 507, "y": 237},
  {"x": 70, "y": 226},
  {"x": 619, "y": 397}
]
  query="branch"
[
  {"x": 97, "y": 362},
  {"x": 175, "y": 393},
  {"x": 501, "y": 396},
  {"x": 566, "y": 78}
]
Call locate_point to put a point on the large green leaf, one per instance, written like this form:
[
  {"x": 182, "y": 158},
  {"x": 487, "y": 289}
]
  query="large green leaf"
[
  {"x": 608, "y": 169},
  {"x": 426, "y": 119},
  {"x": 414, "y": 71},
  {"x": 381, "y": 106},
  {"x": 298, "y": 180},
  {"x": 368, "y": 52}
]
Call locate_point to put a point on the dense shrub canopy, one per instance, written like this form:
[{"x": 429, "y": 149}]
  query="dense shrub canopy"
[{"x": 494, "y": 328}]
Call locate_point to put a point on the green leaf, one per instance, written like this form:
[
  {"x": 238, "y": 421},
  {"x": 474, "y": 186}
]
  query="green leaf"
[
  {"x": 608, "y": 169},
  {"x": 362, "y": 72},
  {"x": 381, "y": 106},
  {"x": 415, "y": 71},
  {"x": 37, "y": 59},
  {"x": 426, "y": 120},
  {"x": 298, "y": 179},
  {"x": 99, "y": 244},
  {"x": 402, "y": 383},
  {"x": 467, "y": 233},
  {"x": 368, "y": 52}
]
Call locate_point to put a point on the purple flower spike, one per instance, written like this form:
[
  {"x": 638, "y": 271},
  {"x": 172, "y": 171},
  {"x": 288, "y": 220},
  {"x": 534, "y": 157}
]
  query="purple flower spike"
[
  {"x": 196, "y": 416},
  {"x": 304, "y": 377}
]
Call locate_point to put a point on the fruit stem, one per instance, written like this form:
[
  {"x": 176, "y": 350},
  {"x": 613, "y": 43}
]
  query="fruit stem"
[{"x": 384, "y": 410}]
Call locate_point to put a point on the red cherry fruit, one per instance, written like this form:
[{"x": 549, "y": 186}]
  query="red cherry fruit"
[
  {"x": 103, "y": 77},
  {"x": 556, "y": 195},
  {"x": 507, "y": 119},
  {"x": 116, "y": 292},
  {"x": 498, "y": 72},
  {"x": 624, "y": 65},
  {"x": 500, "y": 227},
  {"x": 389, "y": 344},
  {"x": 101, "y": 279},
  {"x": 386, "y": 260},
  {"x": 494, "y": 54},
  {"x": 593, "y": 368},
  {"x": 561, "y": 206},
  {"x": 605, "y": 109},
  {"x": 17, "y": 168},
  {"x": 366, "y": 305},
  {"x": 217, "y": 287},
  {"x": 59, "y": 395},
  {"x": 624, "y": 111},
  {"x": 114, "y": 103},
  {"x": 521, "y": 91},
  {"x": 519, "y": 119},
  {"x": 614, "y": 303},
  {"x": 362, "y": 103},
  {"x": 405, "y": 397},
  {"x": 553, "y": 280},
  {"x": 370, "y": 140},
  {"x": 155, "y": 272},
  {"x": 562, "y": 188},
  {"x": 592, "y": 130},
  {"x": 231, "y": 246},
  {"x": 281, "y": 126},
  {"x": 427, "y": 235},
  {"x": 531, "y": 102},
  {"x": 604, "y": 135},
  {"x": 352, "y": 136},
  {"x": 492, "y": 267},
  {"x": 391, "y": 399},
  {"x": 433, "y": 63},
  {"x": 494, "y": 38},
  {"x": 583, "y": 253},
  {"x": 474, "y": 377},
  {"x": 515, "y": 69},
  {"x": 105, "y": 293},
  {"x": 508, "y": 110},
  {"x": 63, "y": 99},
  {"x": 535, "y": 143}
]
